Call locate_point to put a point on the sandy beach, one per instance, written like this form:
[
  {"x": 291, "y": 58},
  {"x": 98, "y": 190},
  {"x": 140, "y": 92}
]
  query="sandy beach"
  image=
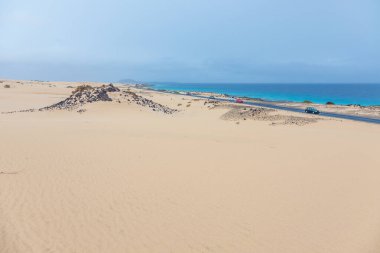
[{"x": 151, "y": 172}]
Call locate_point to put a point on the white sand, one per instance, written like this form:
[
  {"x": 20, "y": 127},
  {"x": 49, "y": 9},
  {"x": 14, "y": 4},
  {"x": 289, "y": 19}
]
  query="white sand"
[{"x": 122, "y": 178}]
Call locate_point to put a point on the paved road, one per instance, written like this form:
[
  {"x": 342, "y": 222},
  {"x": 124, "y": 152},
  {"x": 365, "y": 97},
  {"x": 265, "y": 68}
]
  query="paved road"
[{"x": 292, "y": 109}]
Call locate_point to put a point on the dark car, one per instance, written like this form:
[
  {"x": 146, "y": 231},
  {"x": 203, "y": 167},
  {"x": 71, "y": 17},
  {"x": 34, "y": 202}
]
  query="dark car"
[
  {"x": 211, "y": 97},
  {"x": 312, "y": 110}
]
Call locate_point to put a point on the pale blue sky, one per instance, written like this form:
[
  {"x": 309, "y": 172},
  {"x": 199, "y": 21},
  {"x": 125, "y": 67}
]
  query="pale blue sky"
[{"x": 191, "y": 41}]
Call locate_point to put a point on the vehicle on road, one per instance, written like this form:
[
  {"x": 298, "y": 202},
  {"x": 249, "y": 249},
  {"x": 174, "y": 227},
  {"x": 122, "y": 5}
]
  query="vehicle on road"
[
  {"x": 211, "y": 97},
  {"x": 312, "y": 110},
  {"x": 240, "y": 101}
]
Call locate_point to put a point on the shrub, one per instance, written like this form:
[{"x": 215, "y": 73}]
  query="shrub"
[
  {"x": 82, "y": 88},
  {"x": 330, "y": 103},
  {"x": 7, "y": 86},
  {"x": 307, "y": 102}
]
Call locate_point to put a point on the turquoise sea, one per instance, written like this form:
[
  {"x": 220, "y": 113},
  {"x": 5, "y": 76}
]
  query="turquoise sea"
[{"x": 363, "y": 94}]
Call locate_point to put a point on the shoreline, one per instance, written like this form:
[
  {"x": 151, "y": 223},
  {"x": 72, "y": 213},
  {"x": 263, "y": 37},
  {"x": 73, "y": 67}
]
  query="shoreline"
[
  {"x": 370, "y": 111},
  {"x": 281, "y": 94},
  {"x": 151, "y": 87}
]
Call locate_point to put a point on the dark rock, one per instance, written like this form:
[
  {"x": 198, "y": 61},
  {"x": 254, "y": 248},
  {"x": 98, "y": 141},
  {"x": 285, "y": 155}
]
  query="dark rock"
[{"x": 81, "y": 97}]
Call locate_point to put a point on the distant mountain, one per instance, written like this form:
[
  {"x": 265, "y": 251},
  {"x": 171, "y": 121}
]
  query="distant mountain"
[{"x": 131, "y": 81}]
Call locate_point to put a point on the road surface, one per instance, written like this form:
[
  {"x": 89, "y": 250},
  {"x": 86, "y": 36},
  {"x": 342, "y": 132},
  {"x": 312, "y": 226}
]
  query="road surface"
[{"x": 292, "y": 109}]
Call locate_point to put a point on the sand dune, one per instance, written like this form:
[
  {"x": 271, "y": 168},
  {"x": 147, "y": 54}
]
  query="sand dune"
[{"x": 121, "y": 177}]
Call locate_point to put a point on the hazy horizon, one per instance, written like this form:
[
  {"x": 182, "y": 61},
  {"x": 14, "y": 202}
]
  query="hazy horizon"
[{"x": 224, "y": 41}]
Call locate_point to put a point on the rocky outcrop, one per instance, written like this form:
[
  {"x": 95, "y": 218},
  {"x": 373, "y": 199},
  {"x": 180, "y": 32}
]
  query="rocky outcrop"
[
  {"x": 133, "y": 97},
  {"x": 84, "y": 96},
  {"x": 263, "y": 114},
  {"x": 243, "y": 113}
]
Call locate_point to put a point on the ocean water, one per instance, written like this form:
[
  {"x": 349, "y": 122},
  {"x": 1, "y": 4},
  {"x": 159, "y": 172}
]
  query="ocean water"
[{"x": 363, "y": 94}]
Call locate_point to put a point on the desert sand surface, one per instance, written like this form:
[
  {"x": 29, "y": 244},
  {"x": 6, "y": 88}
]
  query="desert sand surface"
[
  {"x": 366, "y": 111},
  {"x": 125, "y": 176}
]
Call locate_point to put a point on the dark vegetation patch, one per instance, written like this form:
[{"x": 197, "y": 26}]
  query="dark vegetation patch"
[{"x": 82, "y": 88}]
